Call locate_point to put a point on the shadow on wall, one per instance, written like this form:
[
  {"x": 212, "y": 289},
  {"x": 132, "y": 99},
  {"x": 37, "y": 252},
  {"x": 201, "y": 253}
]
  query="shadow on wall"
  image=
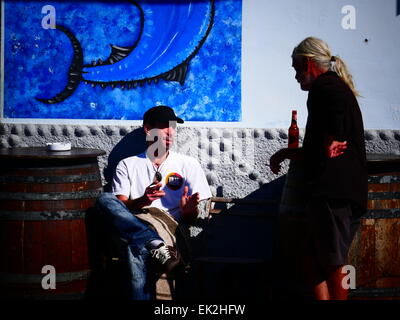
[
  {"x": 239, "y": 247},
  {"x": 132, "y": 144},
  {"x": 239, "y": 230}
]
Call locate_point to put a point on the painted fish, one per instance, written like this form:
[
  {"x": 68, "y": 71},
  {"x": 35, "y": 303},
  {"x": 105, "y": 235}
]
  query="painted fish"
[{"x": 171, "y": 34}]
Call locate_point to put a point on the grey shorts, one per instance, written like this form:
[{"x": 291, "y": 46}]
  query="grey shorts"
[{"x": 331, "y": 229}]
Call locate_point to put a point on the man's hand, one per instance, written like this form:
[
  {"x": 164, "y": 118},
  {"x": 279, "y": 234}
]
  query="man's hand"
[
  {"x": 152, "y": 193},
  {"x": 188, "y": 205},
  {"x": 334, "y": 148},
  {"x": 281, "y": 155},
  {"x": 276, "y": 159}
]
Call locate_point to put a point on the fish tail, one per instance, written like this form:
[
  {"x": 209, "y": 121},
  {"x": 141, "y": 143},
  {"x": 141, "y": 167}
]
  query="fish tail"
[{"x": 75, "y": 70}]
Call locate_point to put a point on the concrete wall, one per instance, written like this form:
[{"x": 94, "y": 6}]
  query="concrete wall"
[{"x": 233, "y": 158}]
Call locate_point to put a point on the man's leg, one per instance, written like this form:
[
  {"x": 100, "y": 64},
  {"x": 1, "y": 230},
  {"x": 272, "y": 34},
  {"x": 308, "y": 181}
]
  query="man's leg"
[
  {"x": 348, "y": 224},
  {"x": 329, "y": 289},
  {"x": 321, "y": 291},
  {"x": 137, "y": 235},
  {"x": 124, "y": 223},
  {"x": 335, "y": 286},
  {"x": 332, "y": 230},
  {"x": 315, "y": 278},
  {"x": 141, "y": 282}
]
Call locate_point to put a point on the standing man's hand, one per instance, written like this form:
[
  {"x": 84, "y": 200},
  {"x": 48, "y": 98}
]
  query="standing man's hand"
[
  {"x": 275, "y": 161},
  {"x": 188, "y": 205},
  {"x": 281, "y": 155},
  {"x": 334, "y": 148}
]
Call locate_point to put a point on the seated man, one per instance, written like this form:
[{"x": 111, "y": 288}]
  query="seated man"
[{"x": 159, "y": 178}]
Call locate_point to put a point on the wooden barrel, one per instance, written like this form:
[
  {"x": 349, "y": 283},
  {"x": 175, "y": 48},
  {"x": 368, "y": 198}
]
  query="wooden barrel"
[
  {"x": 375, "y": 251},
  {"x": 43, "y": 200}
]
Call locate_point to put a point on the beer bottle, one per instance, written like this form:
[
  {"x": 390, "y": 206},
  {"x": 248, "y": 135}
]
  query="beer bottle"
[{"x": 293, "y": 141}]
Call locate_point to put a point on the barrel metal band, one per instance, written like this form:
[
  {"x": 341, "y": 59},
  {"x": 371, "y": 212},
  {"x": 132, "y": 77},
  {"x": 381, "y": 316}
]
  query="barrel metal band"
[
  {"x": 50, "y": 195},
  {"x": 66, "y": 167},
  {"x": 384, "y": 179},
  {"x": 382, "y": 214},
  {"x": 19, "y": 278},
  {"x": 51, "y": 179},
  {"x": 384, "y": 195},
  {"x": 41, "y": 215},
  {"x": 375, "y": 292},
  {"x": 51, "y": 296}
]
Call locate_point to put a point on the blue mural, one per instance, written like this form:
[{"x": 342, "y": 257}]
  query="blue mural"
[{"x": 114, "y": 60}]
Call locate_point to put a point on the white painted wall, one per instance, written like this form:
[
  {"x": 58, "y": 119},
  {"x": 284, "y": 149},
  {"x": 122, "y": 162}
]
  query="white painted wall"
[{"x": 270, "y": 31}]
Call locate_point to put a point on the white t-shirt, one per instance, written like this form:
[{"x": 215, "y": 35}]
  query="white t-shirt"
[{"x": 134, "y": 174}]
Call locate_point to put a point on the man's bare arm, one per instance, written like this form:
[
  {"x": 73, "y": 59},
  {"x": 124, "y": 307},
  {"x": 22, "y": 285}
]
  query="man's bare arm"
[
  {"x": 281, "y": 155},
  {"x": 151, "y": 193}
]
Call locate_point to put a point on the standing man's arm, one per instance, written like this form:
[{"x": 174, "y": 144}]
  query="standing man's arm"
[
  {"x": 335, "y": 143},
  {"x": 333, "y": 148},
  {"x": 281, "y": 155}
]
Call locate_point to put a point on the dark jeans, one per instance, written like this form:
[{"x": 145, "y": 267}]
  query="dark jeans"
[{"x": 133, "y": 235}]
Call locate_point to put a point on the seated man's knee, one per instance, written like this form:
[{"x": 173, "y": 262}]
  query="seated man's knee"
[{"x": 104, "y": 200}]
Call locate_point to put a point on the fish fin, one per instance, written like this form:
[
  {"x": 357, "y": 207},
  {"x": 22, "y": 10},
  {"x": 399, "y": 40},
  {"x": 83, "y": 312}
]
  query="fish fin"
[
  {"x": 177, "y": 74},
  {"x": 118, "y": 53}
]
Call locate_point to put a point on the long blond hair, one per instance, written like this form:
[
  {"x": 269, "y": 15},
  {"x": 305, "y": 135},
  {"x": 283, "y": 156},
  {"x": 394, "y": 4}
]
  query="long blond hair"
[{"x": 320, "y": 53}]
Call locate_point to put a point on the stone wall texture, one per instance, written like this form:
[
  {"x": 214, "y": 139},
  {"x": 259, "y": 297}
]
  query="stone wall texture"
[{"x": 234, "y": 159}]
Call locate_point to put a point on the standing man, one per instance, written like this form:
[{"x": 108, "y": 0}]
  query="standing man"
[
  {"x": 159, "y": 178},
  {"x": 335, "y": 164}
]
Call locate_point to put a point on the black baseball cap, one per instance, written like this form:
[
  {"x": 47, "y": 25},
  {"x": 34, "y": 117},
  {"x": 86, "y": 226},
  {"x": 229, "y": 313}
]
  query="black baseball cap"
[{"x": 160, "y": 114}]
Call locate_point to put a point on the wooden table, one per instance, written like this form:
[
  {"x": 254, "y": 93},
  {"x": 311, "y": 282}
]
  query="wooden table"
[{"x": 44, "y": 196}]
